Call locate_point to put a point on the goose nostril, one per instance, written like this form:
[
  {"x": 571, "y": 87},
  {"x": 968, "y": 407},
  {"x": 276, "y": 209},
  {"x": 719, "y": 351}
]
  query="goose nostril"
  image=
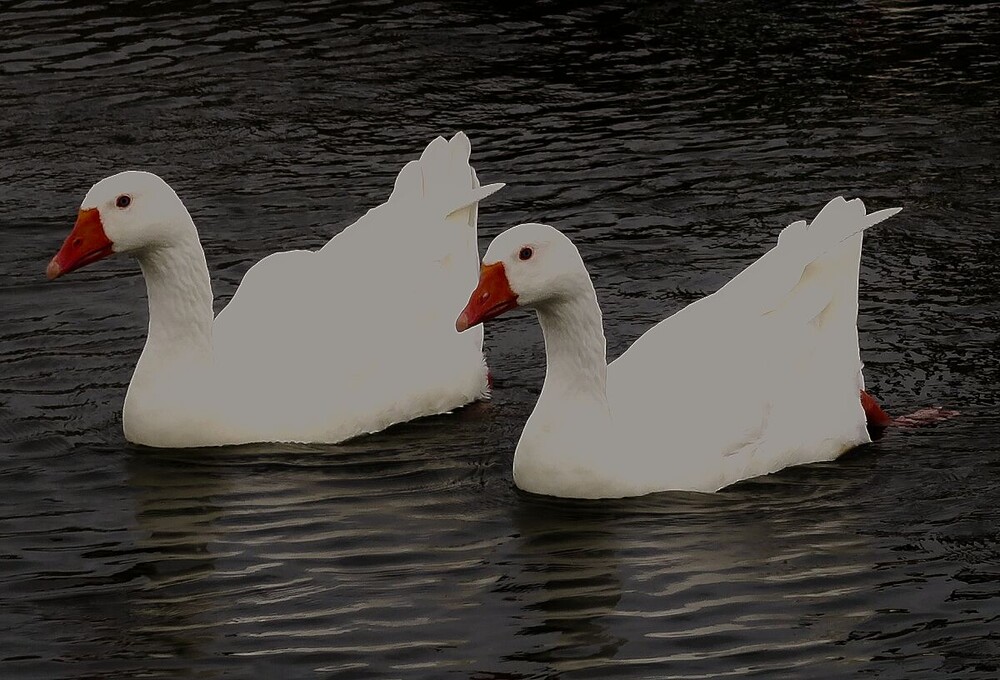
[
  {"x": 77, "y": 242},
  {"x": 484, "y": 297}
]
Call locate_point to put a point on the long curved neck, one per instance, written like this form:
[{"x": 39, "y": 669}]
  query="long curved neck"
[
  {"x": 564, "y": 448},
  {"x": 575, "y": 348},
  {"x": 180, "y": 298}
]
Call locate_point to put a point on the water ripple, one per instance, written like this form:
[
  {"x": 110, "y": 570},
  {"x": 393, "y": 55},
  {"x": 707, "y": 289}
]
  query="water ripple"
[{"x": 672, "y": 141}]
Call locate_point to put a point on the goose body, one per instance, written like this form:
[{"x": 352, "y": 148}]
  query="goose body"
[
  {"x": 763, "y": 374},
  {"x": 315, "y": 346}
]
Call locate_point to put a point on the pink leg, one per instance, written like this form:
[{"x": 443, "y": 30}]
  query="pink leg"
[{"x": 878, "y": 419}]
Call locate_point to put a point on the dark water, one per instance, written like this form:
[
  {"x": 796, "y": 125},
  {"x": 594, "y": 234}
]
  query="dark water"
[{"x": 672, "y": 141}]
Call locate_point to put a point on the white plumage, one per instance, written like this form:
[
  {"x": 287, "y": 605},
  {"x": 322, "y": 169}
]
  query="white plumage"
[
  {"x": 763, "y": 374},
  {"x": 315, "y": 346}
]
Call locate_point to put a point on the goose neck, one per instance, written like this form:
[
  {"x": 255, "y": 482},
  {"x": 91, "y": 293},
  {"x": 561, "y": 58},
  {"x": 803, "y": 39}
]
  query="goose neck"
[
  {"x": 575, "y": 347},
  {"x": 180, "y": 297}
]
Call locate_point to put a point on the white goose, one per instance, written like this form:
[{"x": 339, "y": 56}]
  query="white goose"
[
  {"x": 314, "y": 346},
  {"x": 763, "y": 374}
]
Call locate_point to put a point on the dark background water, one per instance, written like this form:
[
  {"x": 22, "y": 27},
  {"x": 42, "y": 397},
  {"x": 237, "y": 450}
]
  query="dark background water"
[{"x": 672, "y": 141}]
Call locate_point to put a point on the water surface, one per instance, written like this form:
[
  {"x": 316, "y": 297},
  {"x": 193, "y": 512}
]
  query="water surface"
[{"x": 671, "y": 142}]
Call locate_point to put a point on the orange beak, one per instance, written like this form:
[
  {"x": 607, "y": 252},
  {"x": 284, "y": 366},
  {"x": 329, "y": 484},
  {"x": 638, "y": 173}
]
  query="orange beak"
[
  {"x": 491, "y": 298},
  {"x": 85, "y": 244}
]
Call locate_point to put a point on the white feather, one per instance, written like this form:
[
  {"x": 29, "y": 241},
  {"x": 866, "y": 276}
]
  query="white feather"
[{"x": 315, "y": 346}]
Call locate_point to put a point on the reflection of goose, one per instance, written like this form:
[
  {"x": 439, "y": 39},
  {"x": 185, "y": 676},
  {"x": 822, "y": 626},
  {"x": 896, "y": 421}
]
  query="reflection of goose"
[
  {"x": 562, "y": 572},
  {"x": 177, "y": 548},
  {"x": 315, "y": 346},
  {"x": 763, "y": 374}
]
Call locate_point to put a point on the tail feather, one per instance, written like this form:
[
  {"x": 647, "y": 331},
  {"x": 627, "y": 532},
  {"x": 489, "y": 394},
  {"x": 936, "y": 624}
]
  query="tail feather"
[
  {"x": 766, "y": 283},
  {"x": 442, "y": 181},
  {"x": 464, "y": 210},
  {"x": 838, "y": 221}
]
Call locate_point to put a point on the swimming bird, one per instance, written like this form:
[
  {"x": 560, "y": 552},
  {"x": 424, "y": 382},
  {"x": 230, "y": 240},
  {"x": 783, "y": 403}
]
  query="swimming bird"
[
  {"x": 762, "y": 374},
  {"x": 315, "y": 346}
]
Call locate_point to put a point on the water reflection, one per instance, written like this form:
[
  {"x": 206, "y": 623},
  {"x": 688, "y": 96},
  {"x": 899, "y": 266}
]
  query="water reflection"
[
  {"x": 773, "y": 570},
  {"x": 176, "y": 552},
  {"x": 562, "y": 570}
]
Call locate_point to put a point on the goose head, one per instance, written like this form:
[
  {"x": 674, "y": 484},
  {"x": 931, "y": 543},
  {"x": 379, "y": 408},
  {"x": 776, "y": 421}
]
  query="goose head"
[
  {"x": 531, "y": 266},
  {"x": 130, "y": 212}
]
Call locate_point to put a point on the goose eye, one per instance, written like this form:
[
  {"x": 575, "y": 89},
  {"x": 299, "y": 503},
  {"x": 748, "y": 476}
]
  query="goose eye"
[
  {"x": 123, "y": 201},
  {"x": 526, "y": 253}
]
